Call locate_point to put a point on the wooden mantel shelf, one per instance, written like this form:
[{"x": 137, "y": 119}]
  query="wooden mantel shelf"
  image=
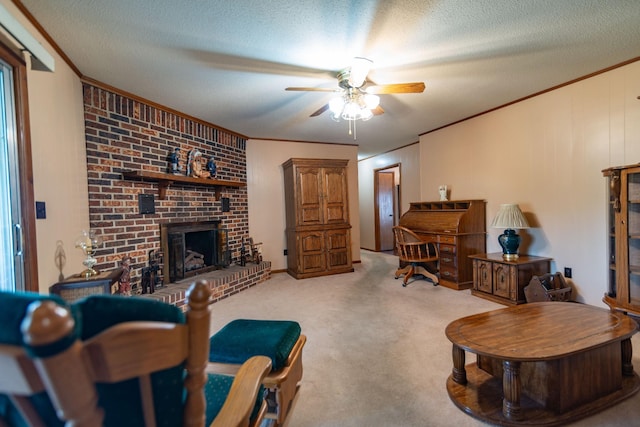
[{"x": 165, "y": 180}]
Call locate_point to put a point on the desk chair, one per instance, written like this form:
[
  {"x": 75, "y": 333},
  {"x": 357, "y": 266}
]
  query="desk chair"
[
  {"x": 148, "y": 363},
  {"x": 414, "y": 254}
]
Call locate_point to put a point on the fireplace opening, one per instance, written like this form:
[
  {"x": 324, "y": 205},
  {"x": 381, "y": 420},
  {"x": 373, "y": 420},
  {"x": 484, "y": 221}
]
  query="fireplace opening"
[{"x": 193, "y": 248}]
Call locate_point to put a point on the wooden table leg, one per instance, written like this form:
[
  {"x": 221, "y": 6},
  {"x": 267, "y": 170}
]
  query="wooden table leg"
[
  {"x": 511, "y": 386},
  {"x": 627, "y": 353},
  {"x": 459, "y": 373}
]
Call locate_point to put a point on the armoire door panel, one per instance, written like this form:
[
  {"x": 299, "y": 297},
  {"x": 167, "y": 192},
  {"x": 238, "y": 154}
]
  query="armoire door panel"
[
  {"x": 310, "y": 196},
  {"x": 310, "y": 215},
  {"x": 338, "y": 250},
  {"x": 334, "y": 184},
  {"x": 335, "y": 214},
  {"x": 338, "y": 260},
  {"x": 335, "y": 195},
  {"x": 313, "y": 263},
  {"x": 312, "y": 241},
  {"x": 337, "y": 239}
]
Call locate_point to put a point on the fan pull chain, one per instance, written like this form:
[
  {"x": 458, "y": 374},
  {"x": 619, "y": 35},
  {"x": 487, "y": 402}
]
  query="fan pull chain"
[{"x": 354, "y": 132}]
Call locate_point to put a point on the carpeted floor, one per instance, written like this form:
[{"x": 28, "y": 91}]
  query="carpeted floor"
[{"x": 376, "y": 353}]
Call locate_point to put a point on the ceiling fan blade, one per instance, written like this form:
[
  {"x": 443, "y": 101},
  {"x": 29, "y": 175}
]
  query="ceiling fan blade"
[
  {"x": 377, "y": 111},
  {"x": 320, "y": 110},
  {"x": 312, "y": 89},
  {"x": 416, "y": 87}
]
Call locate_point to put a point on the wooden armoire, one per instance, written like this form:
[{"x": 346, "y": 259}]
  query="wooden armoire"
[{"x": 317, "y": 210}]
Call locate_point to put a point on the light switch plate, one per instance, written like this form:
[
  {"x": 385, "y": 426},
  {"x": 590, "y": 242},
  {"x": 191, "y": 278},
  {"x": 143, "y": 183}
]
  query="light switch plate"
[{"x": 41, "y": 210}]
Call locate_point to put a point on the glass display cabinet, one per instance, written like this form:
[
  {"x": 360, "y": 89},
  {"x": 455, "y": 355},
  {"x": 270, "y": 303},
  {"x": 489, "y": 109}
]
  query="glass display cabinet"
[{"x": 623, "y": 230}]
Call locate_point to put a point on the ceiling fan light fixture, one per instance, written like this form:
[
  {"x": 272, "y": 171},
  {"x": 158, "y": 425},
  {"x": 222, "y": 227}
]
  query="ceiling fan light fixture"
[
  {"x": 353, "y": 105},
  {"x": 365, "y": 114},
  {"x": 355, "y": 102},
  {"x": 371, "y": 101},
  {"x": 352, "y": 110},
  {"x": 359, "y": 70},
  {"x": 336, "y": 105}
]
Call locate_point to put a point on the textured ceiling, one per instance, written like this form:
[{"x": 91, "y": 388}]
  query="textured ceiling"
[{"x": 228, "y": 62}]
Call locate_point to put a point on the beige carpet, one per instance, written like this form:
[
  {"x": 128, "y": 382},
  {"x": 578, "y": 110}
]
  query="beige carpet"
[{"x": 376, "y": 353}]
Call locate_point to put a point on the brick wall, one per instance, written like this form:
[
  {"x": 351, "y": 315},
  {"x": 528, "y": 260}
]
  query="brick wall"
[{"x": 126, "y": 134}]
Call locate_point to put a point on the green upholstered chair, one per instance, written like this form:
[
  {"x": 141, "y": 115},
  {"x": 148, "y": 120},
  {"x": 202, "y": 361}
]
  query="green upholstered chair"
[
  {"x": 280, "y": 340},
  {"x": 142, "y": 364}
]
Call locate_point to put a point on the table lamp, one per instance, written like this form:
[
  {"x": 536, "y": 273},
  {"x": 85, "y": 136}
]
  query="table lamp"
[
  {"x": 510, "y": 217},
  {"x": 89, "y": 242}
]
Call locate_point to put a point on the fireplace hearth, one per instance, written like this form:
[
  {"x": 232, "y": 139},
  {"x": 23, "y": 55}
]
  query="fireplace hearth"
[{"x": 192, "y": 248}]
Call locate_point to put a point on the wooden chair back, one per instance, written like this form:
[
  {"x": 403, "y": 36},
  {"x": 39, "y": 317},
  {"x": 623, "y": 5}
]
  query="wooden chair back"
[{"x": 411, "y": 248}]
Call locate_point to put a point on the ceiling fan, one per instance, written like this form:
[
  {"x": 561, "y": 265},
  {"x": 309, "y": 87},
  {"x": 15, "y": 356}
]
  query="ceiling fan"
[{"x": 357, "y": 97}]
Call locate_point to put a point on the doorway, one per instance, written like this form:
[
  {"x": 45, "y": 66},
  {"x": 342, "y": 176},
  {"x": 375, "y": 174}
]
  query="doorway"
[
  {"x": 11, "y": 274},
  {"x": 386, "y": 205},
  {"x": 18, "y": 260}
]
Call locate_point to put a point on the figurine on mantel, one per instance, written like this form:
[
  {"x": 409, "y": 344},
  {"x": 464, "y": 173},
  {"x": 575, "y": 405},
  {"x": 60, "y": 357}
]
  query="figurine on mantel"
[
  {"x": 211, "y": 167},
  {"x": 174, "y": 161},
  {"x": 194, "y": 168}
]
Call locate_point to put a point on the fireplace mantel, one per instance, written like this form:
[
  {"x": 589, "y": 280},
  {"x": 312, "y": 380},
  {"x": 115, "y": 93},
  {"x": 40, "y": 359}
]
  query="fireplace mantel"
[{"x": 165, "y": 180}]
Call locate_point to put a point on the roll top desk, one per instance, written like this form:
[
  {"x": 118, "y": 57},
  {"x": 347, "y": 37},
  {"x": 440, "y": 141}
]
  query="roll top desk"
[{"x": 458, "y": 228}]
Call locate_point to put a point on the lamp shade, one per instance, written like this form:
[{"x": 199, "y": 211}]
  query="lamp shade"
[{"x": 510, "y": 216}]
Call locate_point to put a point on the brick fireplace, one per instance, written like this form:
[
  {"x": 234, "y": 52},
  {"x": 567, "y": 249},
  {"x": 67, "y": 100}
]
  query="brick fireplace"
[
  {"x": 124, "y": 134},
  {"x": 193, "y": 248}
]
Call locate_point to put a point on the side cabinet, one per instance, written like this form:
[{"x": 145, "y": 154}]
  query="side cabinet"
[
  {"x": 317, "y": 211},
  {"x": 504, "y": 281}
]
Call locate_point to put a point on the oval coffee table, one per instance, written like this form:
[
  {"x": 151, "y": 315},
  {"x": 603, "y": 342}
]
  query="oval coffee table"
[{"x": 546, "y": 363}]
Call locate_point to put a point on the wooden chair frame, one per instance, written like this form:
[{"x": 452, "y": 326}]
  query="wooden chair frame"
[{"x": 415, "y": 252}]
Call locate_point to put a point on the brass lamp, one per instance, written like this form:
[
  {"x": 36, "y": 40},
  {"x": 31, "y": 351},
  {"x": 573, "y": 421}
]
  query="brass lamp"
[
  {"x": 510, "y": 217},
  {"x": 89, "y": 242}
]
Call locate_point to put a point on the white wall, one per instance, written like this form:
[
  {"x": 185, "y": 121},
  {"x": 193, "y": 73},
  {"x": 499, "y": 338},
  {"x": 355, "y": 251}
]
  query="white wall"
[
  {"x": 546, "y": 154},
  {"x": 265, "y": 189},
  {"x": 408, "y": 159},
  {"x": 59, "y": 160}
]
